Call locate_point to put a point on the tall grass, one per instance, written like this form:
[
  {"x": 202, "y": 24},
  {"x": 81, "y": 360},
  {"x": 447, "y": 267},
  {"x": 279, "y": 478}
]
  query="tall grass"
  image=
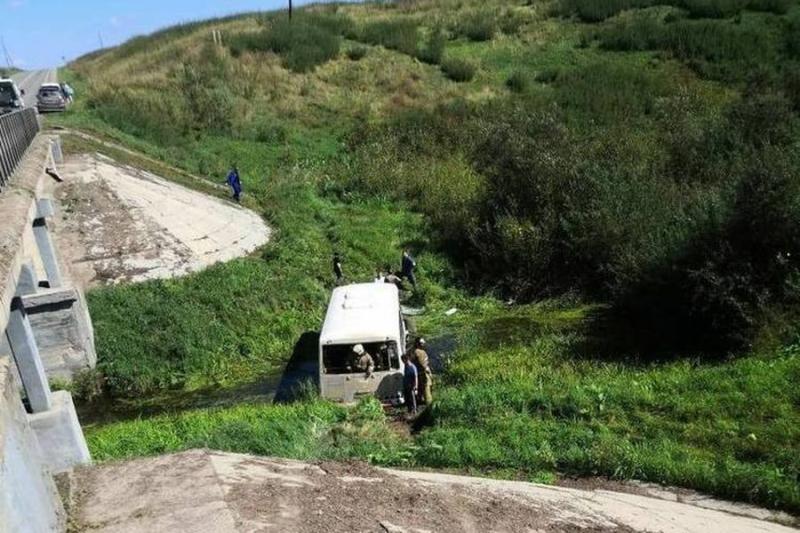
[
  {"x": 459, "y": 70},
  {"x": 599, "y": 10},
  {"x": 400, "y": 34},
  {"x": 303, "y": 44},
  {"x": 719, "y": 49},
  {"x": 310, "y": 429}
]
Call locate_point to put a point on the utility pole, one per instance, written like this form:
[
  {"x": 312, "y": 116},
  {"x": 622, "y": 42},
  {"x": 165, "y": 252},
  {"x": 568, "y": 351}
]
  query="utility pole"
[
  {"x": 9, "y": 62},
  {"x": 290, "y": 9},
  {"x": 100, "y": 38}
]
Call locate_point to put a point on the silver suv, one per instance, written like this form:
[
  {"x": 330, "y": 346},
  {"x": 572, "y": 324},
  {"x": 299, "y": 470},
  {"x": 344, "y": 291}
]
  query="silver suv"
[
  {"x": 10, "y": 97},
  {"x": 50, "y": 98}
]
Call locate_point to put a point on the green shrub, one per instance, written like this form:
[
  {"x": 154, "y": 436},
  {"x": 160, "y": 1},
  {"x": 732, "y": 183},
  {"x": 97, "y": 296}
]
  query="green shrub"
[
  {"x": 303, "y": 43},
  {"x": 597, "y": 10},
  {"x": 510, "y": 21},
  {"x": 714, "y": 8},
  {"x": 357, "y": 53},
  {"x": 478, "y": 25},
  {"x": 400, "y": 34},
  {"x": 459, "y": 70},
  {"x": 518, "y": 82},
  {"x": 548, "y": 75},
  {"x": 433, "y": 49},
  {"x": 779, "y": 7},
  {"x": 608, "y": 92},
  {"x": 719, "y": 49}
]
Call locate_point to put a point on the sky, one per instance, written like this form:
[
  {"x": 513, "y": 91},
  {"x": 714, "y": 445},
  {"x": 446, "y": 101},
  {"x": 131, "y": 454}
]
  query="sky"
[{"x": 41, "y": 33}]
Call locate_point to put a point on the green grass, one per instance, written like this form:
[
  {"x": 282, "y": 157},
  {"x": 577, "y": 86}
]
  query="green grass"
[{"x": 307, "y": 430}]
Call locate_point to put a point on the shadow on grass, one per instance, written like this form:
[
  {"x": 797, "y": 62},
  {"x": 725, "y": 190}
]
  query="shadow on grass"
[
  {"x": 608, "y": 334},
  {"x": 301, "y": 374}
]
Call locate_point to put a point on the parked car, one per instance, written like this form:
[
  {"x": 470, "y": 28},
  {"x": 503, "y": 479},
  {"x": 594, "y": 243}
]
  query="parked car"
[
  {"x": 367, "y": 315},
  {"x": 10, "y": 97},
  {"x": 50, "y": 98}
]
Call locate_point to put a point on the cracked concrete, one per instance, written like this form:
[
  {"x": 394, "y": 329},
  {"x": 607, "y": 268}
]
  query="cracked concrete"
[
  {"x": 218, "y": 492},
  {"x": 121, "y": 224}
]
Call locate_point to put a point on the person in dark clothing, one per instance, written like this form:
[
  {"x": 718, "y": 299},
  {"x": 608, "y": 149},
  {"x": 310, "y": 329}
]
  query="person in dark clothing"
[
  {"x": 337, "y": 268},
  {"x": 410, "y": 384},
  {"x": 235, "y": 183},
  {"x": 407, "y": 268},
  {"x": 391, "y": 277}
]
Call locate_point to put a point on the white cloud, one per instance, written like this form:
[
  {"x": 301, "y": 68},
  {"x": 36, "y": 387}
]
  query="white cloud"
[
  {"x": 14, "y": 4},
  {"x": 115, "y": 21}
]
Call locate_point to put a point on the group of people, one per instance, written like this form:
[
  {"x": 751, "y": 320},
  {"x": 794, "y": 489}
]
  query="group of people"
[
  {"x": 417, "y": 377},
  {"x": 417, "y": 373},
  {"x": 387, "y": 275}
]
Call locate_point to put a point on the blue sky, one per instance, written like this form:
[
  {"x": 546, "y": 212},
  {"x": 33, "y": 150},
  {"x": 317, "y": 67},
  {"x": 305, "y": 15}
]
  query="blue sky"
[{"x": 38, "y": 33}]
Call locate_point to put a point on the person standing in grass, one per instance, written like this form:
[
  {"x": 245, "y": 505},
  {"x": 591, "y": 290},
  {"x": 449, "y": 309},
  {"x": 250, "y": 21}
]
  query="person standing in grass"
[
  {"x": 422, "y": 362},
  {"x": 410, "y": 384},
  {"x": 407, "y": 268},
  {"x": 235, "y": 183},
  {"x": 337, "y": 268}
]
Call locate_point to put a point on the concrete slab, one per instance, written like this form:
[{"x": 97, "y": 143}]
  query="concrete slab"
[
  {"x": 59, "y": 434},
  {"x": 248, "y": 494},
  {"x": 119, "y": 224}
]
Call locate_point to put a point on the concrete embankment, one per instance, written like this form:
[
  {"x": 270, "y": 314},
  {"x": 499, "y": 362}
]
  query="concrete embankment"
[{"x": 46, "y": 332}]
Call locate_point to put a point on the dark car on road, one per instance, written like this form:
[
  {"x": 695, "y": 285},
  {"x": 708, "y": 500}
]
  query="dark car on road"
[
  {"x": 50, "y": 98},
  {"x": 10, "y": 97}
]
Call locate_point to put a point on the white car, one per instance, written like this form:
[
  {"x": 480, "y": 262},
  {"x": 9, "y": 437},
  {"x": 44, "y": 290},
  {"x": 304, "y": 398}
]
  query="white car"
[{"x": 10, "y": 97}]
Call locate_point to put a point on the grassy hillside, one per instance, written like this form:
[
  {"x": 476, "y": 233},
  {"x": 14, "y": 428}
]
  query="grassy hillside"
[{"x": 622, "y": 174}]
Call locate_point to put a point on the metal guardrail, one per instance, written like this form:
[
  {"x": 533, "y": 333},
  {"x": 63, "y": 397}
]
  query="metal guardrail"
[{"x": 17, "y": 131}]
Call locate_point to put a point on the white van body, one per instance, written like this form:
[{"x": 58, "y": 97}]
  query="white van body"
[{"x": 368, "y": 314}]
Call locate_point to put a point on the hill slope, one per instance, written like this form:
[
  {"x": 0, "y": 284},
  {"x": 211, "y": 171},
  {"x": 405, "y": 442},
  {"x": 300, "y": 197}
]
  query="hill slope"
[{"x": 642, "y": 155}]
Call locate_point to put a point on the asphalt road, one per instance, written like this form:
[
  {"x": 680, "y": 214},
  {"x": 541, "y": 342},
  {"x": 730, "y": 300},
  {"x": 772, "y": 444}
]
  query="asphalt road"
[{"x": 30, "y": 81}]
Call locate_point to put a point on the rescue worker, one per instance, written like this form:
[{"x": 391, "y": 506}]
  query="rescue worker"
[
  {"x": 363, "y": 360},
  {"x": 235, "y": 183},
  {"x": 422, "y": 361},
  {"x": 393, "y": 278},
  {"x": 410, "y": 384},
  {"x": 337, "y": 268},
  {"x": 407, "y": 268}
]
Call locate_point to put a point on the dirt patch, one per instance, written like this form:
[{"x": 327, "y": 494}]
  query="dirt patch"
[
  {"x": 222, "y": 492},
  {"x": 117, "y": 224}
]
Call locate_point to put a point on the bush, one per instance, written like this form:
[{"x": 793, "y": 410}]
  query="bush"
[
  {"x": 718, "y": 49},
  {"x": 714, "y": 8},
  {"x": 518, "y": 82},
  {"x": 357, "y": 53},
  {"x": 609, "y": 91},
  {"x": 779, "y": 7},
  {"x": 597, "y": 10},
  {"x": 458, "y": 70},
  {"x": 303, "y": 44},
  {"x": 511, "y": 21},
  {"x": 433, "y": 49},
  {"x": 400, "y": 34},
  {"x": 548, "y": 75},
  {"x": 477, "y": 26}
]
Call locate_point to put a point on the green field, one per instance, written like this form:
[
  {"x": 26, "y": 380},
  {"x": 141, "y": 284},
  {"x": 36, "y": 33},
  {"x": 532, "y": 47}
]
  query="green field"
[{"x": 608, "y": 193}]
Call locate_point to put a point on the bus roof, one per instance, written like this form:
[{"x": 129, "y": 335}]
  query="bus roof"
[{"x": 365, "y": 312}]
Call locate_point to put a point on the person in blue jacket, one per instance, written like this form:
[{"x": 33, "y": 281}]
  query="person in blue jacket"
[{"x": 235, "y": 183}]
